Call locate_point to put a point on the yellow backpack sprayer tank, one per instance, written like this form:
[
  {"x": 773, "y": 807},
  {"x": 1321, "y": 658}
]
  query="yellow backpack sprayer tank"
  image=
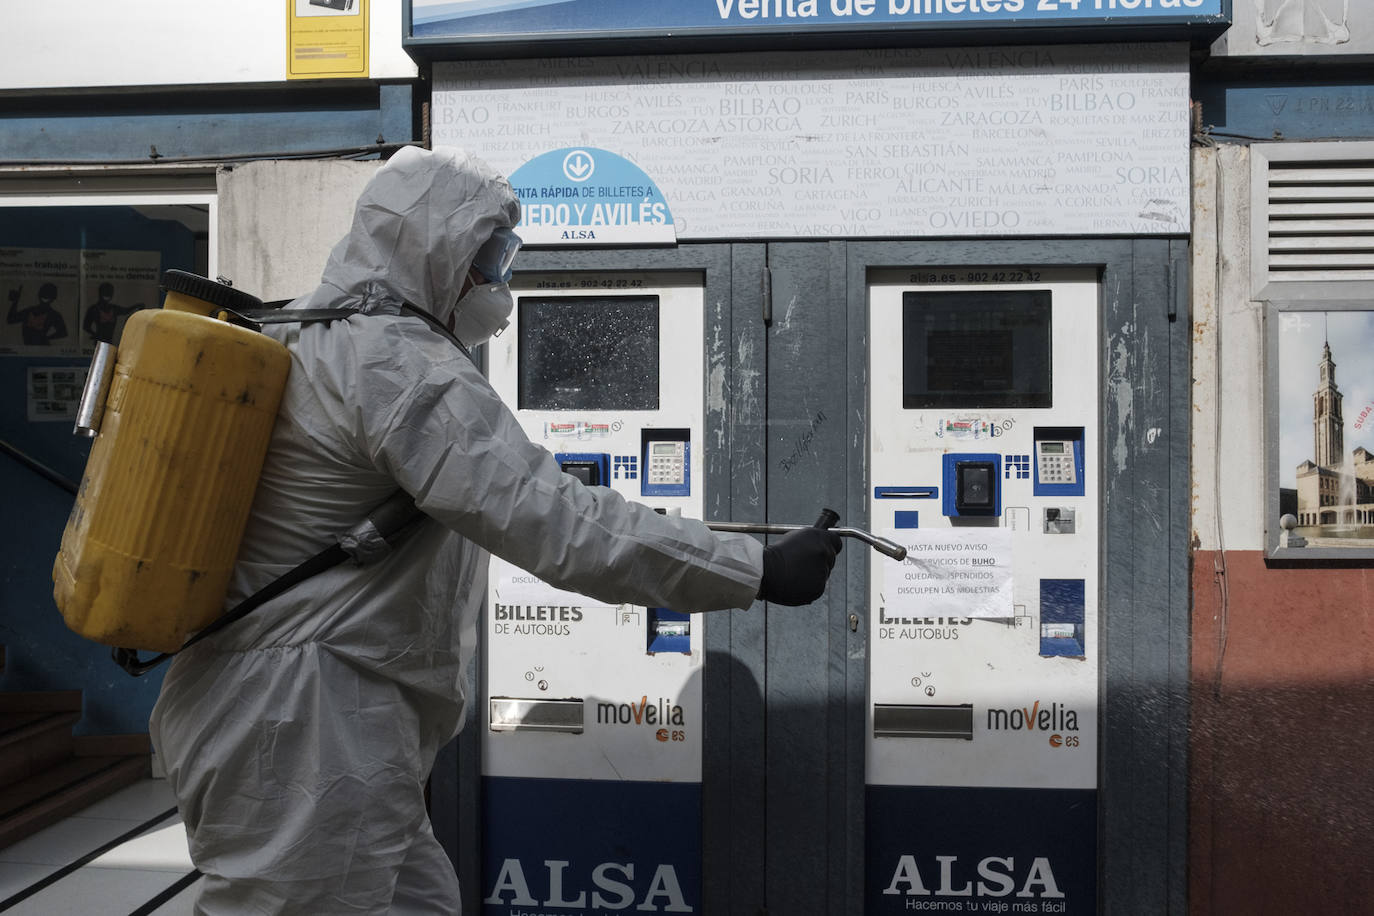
[{"x": 187, "y": 414}]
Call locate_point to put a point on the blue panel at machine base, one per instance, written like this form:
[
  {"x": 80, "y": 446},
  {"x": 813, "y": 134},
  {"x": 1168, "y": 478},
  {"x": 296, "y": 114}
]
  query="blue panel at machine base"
[
  {"x": 977, "y": 850},
  {"x": 583, "y": 846}
]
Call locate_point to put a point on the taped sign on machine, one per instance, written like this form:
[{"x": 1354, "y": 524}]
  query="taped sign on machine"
[{"x": 962, "y": 572}]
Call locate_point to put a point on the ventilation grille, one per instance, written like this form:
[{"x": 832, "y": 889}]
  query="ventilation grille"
[{"x": 1321, "y": 221}]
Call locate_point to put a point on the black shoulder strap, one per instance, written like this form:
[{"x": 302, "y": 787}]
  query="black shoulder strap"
[
  {"x": 273, "y": 313},
  {"x": 254, "y": 319},
  {"x": 384, "y": 526},
  {"x": 330, "y": 557},
  {"x": 438, "y": 326}
]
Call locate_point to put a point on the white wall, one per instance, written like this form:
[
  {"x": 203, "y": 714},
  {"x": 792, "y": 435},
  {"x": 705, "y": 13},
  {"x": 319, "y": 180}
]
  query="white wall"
[
  {"x": 54, "y": 44},
  {"x": 279, "y": 220},
  {"x": 1228, "y": 418}
]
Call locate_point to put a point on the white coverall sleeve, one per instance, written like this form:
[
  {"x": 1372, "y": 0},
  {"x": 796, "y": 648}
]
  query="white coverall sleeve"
[{"x": 451, "y": 442}]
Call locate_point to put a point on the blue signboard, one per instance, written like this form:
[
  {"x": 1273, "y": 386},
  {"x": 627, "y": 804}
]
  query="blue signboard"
[
  {"x": 589, "y": 196},
  {"x": 980, "y": 850},
  {"x": 497, "y": 21},
  {"x": 590, "y": 847}
]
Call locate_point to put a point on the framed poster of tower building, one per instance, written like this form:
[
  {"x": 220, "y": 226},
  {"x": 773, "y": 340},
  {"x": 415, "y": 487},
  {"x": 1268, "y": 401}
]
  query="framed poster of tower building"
[{"x": 1320, "y": 417}]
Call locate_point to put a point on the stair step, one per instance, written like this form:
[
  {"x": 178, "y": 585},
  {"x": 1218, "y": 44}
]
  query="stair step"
[
  {"x": 112, "y": 745},
  {"x": 53, "y": 796},
  {"x": 52, "y": 781},
  {"x": 40, "y": 701},
  {"x": 33, "y": 741}
]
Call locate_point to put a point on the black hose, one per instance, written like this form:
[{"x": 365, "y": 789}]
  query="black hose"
[{"x": 39, "y": 468}]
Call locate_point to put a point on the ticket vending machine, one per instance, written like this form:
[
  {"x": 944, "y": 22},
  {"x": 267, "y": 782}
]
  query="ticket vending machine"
[
  {"x": 982, "y": 739},
  {"x": 592, "y": 726}
]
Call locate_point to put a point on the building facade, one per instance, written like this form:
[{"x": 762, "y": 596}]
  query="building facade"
[{"x": 903, "y": 252}]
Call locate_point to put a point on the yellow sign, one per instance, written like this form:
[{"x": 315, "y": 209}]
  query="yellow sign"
[{"x": 326, "y": 39}]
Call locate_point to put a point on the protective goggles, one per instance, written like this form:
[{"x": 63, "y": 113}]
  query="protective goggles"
[{"x": 493, "y": 260}]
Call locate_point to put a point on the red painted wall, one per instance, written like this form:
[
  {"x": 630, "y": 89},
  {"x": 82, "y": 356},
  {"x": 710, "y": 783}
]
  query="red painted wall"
[{"x": 1282, "y": 752}]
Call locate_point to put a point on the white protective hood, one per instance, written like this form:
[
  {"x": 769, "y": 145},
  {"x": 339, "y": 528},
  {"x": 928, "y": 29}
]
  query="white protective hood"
[{"x": 415, "y": 230}]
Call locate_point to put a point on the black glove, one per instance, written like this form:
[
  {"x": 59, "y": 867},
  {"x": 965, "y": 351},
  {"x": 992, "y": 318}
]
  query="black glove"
[{"x": 796, "y": 567}]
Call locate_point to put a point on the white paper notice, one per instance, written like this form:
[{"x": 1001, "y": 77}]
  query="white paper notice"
[
  {"x": 513, "y": 585},
  {"x": 950, "y": 572}
]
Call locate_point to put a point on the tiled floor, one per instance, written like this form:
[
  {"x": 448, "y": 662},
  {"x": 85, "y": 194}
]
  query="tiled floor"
[{"x": 123, "y": 855}]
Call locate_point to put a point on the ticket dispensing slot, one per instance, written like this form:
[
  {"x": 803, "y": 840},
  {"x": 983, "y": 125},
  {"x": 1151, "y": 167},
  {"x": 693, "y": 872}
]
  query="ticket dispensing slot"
[
  {"x": 517, "y": 714},
  {"x": 906, "y": 492},
  {"x": 923, "y": 721}
]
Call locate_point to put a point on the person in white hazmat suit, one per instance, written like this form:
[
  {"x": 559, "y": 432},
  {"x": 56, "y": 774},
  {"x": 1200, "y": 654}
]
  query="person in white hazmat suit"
[{"x": 298, "y": 740}]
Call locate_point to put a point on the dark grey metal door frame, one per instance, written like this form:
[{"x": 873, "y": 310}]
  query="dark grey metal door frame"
[{"x": 784, "y": 692}]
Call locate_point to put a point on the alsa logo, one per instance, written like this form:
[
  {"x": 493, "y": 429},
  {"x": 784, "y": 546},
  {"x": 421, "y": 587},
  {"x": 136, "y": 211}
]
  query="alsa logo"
[
  {"x": 1052, "y": 717},
  {"x": 997, "y": 877},
  {"x": 612, "y": 884},
  {"x": 664, "y": 712}
]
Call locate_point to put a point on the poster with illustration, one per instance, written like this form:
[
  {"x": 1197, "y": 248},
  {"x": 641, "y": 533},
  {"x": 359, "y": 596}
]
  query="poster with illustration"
[
  {"x": 114, "y": 285},
  {"x": 42, "y": 290},
  {"x": 1322, "y": 420}
]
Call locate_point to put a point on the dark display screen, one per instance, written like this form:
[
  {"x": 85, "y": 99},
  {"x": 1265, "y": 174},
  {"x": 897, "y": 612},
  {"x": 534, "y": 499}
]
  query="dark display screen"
[
  {"x": 592, "y": 353},
  {"x": 976, "y": 349}
]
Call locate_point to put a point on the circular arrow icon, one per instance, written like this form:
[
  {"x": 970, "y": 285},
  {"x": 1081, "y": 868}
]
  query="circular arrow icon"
[{"x": 579, "y": 165}]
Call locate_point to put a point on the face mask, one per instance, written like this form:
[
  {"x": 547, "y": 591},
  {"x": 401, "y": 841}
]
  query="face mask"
[{"x": 483, "y": 313}]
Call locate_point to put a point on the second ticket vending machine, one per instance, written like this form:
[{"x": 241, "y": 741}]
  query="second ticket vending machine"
[{"x": 982, "y": 740}]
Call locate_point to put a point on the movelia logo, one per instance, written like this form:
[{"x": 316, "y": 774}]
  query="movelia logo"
[
  {"x": 641, "y": 713},
  {"x": 1053, "y": 717},
  {"x": 612, "y": 888},
  {"x": 997, "y": 875}
]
